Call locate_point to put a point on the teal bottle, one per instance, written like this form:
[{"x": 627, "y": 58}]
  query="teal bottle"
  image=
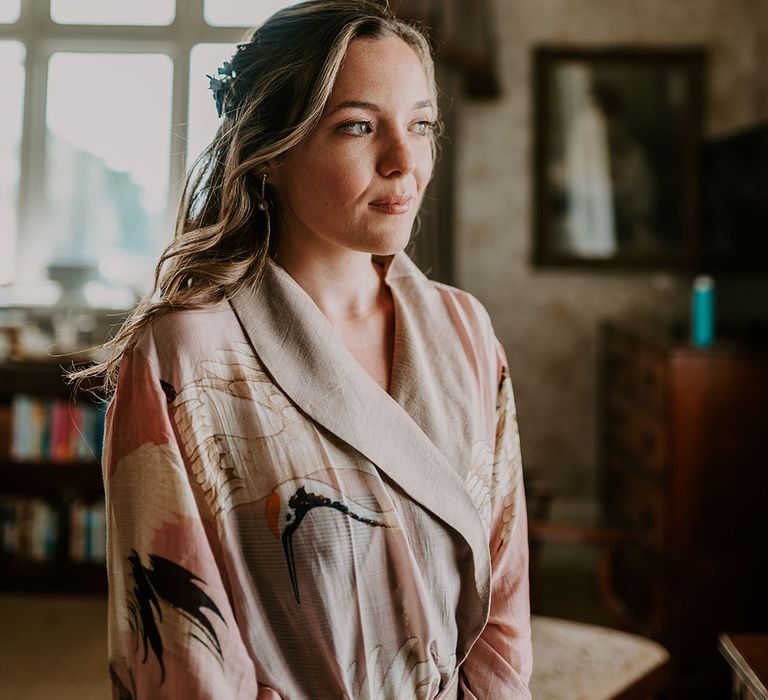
[{"x": 703, "y": 311}]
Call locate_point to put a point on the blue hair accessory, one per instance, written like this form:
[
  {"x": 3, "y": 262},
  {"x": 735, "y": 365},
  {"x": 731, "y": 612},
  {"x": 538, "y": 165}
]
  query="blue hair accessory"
[{"x": 219, "y": 84}]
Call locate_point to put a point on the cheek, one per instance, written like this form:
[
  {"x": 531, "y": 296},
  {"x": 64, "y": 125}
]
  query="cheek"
[
  {"x": 429, "y": 168},
  {"x": 310, "y": 187},
  {"x": 425, "y": 161},
  {"x": 338, "y": 182}
]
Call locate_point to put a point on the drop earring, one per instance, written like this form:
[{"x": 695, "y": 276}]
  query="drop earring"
[{"x": 262, "y": 204}]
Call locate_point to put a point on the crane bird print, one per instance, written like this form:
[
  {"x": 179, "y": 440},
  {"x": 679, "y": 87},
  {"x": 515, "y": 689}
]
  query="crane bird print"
[
  {"x": 167, "y": 581},
  {"x": 291, "y": 501}
]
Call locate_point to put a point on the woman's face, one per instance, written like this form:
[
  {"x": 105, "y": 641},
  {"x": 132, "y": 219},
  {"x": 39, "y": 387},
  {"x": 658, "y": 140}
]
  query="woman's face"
[{"x": 357, "y": 182}]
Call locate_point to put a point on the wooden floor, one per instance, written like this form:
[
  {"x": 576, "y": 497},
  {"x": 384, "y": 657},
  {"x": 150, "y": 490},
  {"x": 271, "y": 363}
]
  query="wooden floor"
[{"x": 53, "y": 648}]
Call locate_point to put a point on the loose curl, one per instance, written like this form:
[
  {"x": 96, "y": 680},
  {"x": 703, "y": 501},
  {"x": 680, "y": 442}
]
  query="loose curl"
[{"x": 284, "y": 75}]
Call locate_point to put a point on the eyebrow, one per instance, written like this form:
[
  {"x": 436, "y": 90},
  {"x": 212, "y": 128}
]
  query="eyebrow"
[{"x": 359, "y": 104}]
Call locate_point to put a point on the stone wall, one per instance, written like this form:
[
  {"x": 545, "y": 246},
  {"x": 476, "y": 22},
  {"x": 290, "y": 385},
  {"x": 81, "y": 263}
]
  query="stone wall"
[{"x": 547, "y": 320}]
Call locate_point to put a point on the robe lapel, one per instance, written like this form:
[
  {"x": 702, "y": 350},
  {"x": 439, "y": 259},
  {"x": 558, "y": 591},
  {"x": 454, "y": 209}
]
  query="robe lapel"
[
  {"x": 309, "y": 361},
  {"x": 432, "y": 377}
]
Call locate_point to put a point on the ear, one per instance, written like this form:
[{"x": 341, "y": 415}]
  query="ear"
[{"x": 273, "y": 170}]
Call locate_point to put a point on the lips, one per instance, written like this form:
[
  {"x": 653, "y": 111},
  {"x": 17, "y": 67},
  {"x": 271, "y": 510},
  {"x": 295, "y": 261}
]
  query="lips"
[{"x": 392, "y": 203}]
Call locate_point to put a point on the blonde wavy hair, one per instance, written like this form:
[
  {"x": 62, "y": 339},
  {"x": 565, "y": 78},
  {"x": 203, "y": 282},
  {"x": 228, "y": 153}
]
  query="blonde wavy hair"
[{"x": 284, "y": 74}]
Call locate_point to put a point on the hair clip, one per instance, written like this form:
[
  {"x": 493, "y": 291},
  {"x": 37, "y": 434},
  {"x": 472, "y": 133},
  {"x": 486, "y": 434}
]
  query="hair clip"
[{"x": 219, "y": 84}]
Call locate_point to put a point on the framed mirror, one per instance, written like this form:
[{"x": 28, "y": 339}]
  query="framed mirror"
[{"x": 617, "y": 132}]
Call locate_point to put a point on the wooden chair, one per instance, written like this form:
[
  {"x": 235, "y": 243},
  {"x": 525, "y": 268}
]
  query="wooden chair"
[{"x": 579, "y": 661}]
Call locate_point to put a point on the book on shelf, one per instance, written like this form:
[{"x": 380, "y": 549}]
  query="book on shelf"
[
  {"x": 87, "y": 532},
  {"x": 30, "y": 529},
  {"x": 56, "y": 430}
]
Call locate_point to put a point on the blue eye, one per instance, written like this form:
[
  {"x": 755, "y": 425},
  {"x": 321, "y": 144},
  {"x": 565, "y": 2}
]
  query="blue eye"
[
  {"x": 359, "y": 128},
  {"x": 423, "y": 127}
]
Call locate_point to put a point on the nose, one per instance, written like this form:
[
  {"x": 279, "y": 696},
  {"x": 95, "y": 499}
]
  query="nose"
[{"x": 397, "y": 156}]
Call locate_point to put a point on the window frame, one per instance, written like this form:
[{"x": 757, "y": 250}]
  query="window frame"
[{"x": 42, "y": 37}]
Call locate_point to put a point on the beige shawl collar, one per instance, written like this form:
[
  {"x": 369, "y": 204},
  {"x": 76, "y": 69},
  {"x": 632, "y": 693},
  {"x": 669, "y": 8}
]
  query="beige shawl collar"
[{"x": 408, "y": 435}]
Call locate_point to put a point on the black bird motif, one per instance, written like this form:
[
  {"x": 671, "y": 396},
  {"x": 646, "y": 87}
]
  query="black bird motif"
[
  {"x": 298, "y": 505},
  {"x": 122, "y": 692},
  {"x": 175, "y": 585}
]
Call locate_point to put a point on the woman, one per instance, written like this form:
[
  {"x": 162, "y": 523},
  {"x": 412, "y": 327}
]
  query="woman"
[{"x": 312, "y": 466}]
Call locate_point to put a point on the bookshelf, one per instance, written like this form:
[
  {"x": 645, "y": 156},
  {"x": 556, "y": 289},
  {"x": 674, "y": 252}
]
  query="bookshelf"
[{"x": 51, "y": 490}]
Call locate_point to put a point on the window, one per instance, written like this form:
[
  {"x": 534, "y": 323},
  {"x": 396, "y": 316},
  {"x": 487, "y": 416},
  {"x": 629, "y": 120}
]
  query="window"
[
  {"x": 237, "y": 12},
  {"x": 107, "y": 160},
  {"x": 105, "y": 104},
  {"x": 11, "y": 66},
  {"x": 9, "y": 10},
  {"x": 137, "y": 12}
]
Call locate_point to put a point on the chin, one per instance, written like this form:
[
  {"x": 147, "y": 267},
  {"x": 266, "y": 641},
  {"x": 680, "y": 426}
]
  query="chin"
[
  {"x": 391, "y": 248},
  {"x": 392, "y": 243}
]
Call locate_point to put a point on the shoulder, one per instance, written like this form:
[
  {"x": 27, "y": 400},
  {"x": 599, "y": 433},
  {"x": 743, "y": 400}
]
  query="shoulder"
[
  {"x": 174, "y": 344},
  {"x": 464, "y": 313},
  {"x": 473, "y": 311},
  {"x": 465, "y": 308},
  {"x": 473, "y": 323}
]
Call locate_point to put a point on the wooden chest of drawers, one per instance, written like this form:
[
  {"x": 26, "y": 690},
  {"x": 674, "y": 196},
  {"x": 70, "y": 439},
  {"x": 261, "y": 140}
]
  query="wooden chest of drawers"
[{"x": 684, "y": 463}]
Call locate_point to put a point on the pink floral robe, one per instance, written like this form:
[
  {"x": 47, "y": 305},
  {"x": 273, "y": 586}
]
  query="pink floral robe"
[{"x": 279, "y": 526}]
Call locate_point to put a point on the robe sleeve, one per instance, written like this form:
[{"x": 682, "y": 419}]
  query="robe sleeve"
[
  {"x": 172, "y": 633},
  {"x": 500, "y": 662}
]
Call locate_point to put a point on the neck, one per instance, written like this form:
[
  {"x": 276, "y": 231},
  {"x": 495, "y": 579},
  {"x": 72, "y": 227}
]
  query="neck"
[{"x": 346, "y": 285}]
